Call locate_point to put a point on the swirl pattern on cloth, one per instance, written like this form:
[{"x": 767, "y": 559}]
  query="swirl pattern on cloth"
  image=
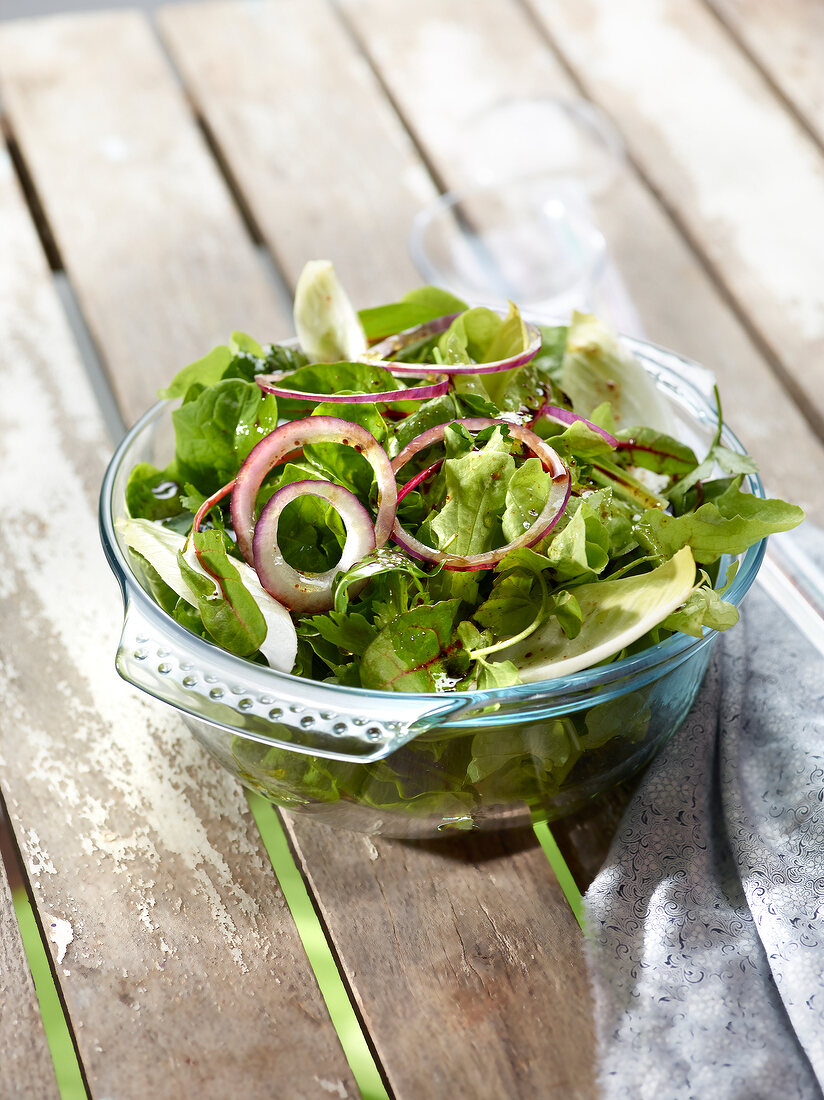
[{"x": 706, "y": 923}]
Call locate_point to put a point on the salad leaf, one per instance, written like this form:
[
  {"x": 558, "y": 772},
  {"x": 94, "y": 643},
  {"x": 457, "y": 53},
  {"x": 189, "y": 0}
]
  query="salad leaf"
[
  {"x": 327, "y": 325},
  {"x": 228, "y": 610},
  {"x": 581, "y": 548},
  {"x": 411, "y": 653},
  {"x": 216, "y": 427},
  {"x": 152, "y": 493},
  {"x": 476, "y": 493},
  {"x": 161, "y": 547},
  {"x": 730, "y": 524},
  {"x": 615, "y": 613},
  {"x": 656, "y": 451},
  {"x": 597, "y": 367},
  {"x": 426, "y": 303},
  {"x": 203, "y": 372}
]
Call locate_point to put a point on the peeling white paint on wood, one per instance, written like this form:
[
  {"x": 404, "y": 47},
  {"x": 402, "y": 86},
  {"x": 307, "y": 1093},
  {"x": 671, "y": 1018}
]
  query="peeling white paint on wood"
[
  {"x": 735, "y": 165},
  {"x": 61, "y": 934}
]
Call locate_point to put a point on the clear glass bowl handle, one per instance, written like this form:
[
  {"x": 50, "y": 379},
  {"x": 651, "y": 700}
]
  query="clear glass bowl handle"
[{"x": 289, "y": 712}]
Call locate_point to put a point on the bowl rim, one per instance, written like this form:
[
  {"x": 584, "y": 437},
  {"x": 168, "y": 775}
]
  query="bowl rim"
[{"x": 660, "y": 362}]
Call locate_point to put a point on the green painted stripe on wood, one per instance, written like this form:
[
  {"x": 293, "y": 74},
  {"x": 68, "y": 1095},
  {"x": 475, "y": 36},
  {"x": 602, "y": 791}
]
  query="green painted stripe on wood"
[
  {"x": 562, "y": 872},
  {"x": 61, "y": 1047},
  {"x": 318, "y": 951}
]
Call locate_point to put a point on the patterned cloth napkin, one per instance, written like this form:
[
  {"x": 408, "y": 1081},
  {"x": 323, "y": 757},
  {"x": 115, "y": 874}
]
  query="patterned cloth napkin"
[{"x": 706, "y": 923}]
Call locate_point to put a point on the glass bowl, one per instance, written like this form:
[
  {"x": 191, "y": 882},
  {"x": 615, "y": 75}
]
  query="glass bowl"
[
  {"x": 529, "y": 241},
  {"x": 416, "y": 765}
]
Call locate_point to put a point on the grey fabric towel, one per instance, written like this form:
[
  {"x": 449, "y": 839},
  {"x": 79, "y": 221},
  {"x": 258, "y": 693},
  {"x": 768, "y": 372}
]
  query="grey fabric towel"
[{"x": 706, "y": 924}]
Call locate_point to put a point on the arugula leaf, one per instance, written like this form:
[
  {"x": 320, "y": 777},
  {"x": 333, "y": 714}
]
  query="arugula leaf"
[
  {"x": 730, "y": 524},
  {"x": 731, "y": 462}
]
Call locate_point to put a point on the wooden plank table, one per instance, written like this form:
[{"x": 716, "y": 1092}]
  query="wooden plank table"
[{"x": 163, "y": 183}]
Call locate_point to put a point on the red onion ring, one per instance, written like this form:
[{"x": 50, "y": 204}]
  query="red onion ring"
[
  {"x": 379, "y": 353},
  {"x": 309, "y": 593},
  {"x": 269, "y": 383},
  {"x": 209, "y": 504},
  {"x": 564, "y": 416},
  {"x": 273, "y": 448},
  {"x": 415, "y": 481},
  {"x": 551, "y": 512}
]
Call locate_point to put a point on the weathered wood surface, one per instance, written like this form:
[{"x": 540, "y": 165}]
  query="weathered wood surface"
[
  {"x": 439, "y": 89},
  {"x": 734, "y": 166},
  {"x": 25, "y": 1066},
  {"x": 143, "y": 858},
  {"x": 786, "y": 40},
  {"x": 465, "y": 959},
  {"x": 311, "y": 139},
  {"x": 555, "y": 979},
  {"x": 154, "y": 245}
]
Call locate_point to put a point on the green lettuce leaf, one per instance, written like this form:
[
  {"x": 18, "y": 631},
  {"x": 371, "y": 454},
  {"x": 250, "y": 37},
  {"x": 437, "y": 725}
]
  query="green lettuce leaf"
[
  {"x": 423, "y": 304},
  {"x": 203, "y": 372}
]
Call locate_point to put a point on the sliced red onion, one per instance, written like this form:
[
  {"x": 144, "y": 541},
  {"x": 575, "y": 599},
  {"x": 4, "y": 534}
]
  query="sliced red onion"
[
  {"x": 564, "y": 416},
  {"x": 551, "y": 512},
  {"x": 379, "y": 353},
  {"x": 209, "y": 504},
  {"x": 293, "y": 436},
  {"x": 270, "y": 383},
  {"x": 415, "y": 481},
  {"x": 309, "y": 593}
]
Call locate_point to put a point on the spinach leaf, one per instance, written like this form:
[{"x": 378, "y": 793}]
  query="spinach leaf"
[{"x": 217, "y": 427}]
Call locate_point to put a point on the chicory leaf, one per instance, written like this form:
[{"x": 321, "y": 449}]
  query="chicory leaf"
[
  {"x": 614, "y": 614},
  {"x": 597, "y": 367},
  {"x": 326, "y": 323}
]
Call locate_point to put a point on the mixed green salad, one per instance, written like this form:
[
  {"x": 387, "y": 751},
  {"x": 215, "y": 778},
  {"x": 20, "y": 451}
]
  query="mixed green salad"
[{"x": 429, "y": 497}]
